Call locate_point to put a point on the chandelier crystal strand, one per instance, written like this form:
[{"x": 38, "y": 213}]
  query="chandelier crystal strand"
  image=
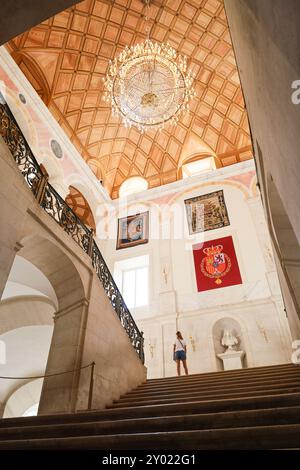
[{"x": 148, "y": 85}]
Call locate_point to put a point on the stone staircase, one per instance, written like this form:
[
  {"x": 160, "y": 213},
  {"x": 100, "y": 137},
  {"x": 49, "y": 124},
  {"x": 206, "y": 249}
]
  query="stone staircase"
[{"x": 256, "y": 408}]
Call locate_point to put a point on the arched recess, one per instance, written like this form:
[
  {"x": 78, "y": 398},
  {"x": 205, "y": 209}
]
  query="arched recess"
[
  {"x": 27, "y": 309},
  {"x": 55, "y": 172},
  {"x": 82, "y": 184},
  {"x": 26, "y": 280},
  {"x": 69, "y": 280},
  {"x": 56, "y": 266},
  {"x": 133, "y": 185},
  {"x": 231, "y": 324},
  {"x": 195, "y": 149},
  {"x": 81, "y": 207},
  {"x": 34, "y": 74},
  {"x": 47, "y": 353},
  {"x": 23, "y": 398},
  {"x": 196, "y": 158},
  {"x": 27, "y": 351},
  {"x": 18, "y": 312},
  {"x": 287, "y": 255}
]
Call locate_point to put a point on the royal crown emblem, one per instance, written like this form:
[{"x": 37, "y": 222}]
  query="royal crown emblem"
[
  {"x": 213, "y": 250},
  {"x": 215, "y": 264}
]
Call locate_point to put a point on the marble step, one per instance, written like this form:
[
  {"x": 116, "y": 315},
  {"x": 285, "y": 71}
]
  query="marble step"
[
  {"x": 248, "y": 372},
  {"x": 285, "y": 436},
  {"x": 190, "y": 379},
  {"x": 187, "y": 408},
  {"x": 200, "y": 396},
  {"x": 228, "y": 419},
  {"x": 145, "y": 391}
]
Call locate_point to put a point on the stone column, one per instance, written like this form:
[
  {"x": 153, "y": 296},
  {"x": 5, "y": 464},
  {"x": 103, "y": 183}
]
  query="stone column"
[{"x": 59, "y": 393}]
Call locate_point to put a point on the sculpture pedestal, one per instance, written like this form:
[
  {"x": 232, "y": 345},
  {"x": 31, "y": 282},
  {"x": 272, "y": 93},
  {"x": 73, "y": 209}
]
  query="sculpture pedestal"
[{"x": 232, "y": 359}]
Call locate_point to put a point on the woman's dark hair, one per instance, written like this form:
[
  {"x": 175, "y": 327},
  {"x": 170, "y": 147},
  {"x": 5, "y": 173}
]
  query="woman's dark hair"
[{"x": 179, "y": 335}]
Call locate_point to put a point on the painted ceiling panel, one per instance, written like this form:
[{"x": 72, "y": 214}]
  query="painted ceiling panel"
[{"x": 66, "y": 57}]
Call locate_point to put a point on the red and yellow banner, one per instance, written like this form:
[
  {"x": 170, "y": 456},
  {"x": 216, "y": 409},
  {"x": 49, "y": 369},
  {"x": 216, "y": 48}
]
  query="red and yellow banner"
[{"x": 216, "y": 264}]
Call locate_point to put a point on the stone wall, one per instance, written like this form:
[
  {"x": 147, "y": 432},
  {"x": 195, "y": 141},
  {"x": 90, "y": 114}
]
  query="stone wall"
[
  {"x": 265, "y": 38},
  {"x": 175, "y": 303}
]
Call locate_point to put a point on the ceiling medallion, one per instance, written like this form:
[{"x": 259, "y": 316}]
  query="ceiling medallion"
[{"x": 148, "y": 85}]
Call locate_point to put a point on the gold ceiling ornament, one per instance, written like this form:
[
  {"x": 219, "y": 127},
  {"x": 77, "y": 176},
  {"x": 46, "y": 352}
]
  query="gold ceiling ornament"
[{"x": 148, "y": 85}]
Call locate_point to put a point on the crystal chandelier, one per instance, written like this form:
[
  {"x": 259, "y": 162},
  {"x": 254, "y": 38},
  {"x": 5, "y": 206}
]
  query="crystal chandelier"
[{"x": 148, "y": 85}]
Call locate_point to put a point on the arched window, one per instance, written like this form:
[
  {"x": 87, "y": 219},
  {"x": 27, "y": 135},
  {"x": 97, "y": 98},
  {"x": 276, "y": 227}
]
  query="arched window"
[
  {"x": 197, "y": 166},
  {"x": 136, "y": 184}
]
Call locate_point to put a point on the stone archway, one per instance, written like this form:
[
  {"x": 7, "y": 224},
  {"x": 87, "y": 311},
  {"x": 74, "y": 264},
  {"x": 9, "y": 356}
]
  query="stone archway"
[
  {"x": 23, "y": 398},
  {"x": 27, "y": 352},
  {"x": 27, "y": 308},
  {"x": 65, "y": 351},
  {"x": 49, "y": 258}
]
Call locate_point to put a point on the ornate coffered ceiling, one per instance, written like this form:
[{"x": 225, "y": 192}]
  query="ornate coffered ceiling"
[{"x": 66, "y": 57}]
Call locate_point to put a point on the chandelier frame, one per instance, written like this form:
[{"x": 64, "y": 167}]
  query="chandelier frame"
[{"x": 153, "y": 106}]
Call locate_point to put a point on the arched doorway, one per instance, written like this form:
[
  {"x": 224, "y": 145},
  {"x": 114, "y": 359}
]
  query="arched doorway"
[
  {"x": 27, "y": 308},
  {"x": 59, "y": 391}
]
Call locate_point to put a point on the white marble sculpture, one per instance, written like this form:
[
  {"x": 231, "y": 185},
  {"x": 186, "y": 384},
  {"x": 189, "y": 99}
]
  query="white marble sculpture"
[
  {"x": 232, "y": 359},
  {"x": 229, "y": 340}
]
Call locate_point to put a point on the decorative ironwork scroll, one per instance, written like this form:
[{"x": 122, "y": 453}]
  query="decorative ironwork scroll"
[
  {"x": 117, "y": 301},
  {"x": 55, "y": 206},
  {"x": 58, "y": 209},
  {"x": 19, "y": 148}
]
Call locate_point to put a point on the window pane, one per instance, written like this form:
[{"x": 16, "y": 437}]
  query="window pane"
[
  {"x": 142, "y": 294},
  {"x": 198, "y": 167},
  {"x": 135, "y": 184},
  {"x": 128, "y": 290}
]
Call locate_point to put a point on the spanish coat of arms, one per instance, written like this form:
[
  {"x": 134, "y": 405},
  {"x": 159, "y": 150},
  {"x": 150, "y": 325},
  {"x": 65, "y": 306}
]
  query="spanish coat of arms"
[{"x": 215, "y": 264}]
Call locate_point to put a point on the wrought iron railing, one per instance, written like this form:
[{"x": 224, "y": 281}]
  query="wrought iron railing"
[
  {"x": 37, "y": 179},
  {"x": 117, "y": 301},
  {"x": 55, "y": 206}
]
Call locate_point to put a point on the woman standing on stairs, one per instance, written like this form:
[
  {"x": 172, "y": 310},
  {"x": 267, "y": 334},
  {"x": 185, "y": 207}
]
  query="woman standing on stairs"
[{"x": 179, "y": 353}]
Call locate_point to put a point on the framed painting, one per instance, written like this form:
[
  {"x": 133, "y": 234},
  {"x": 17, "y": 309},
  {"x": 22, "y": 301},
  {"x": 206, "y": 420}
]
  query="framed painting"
[
  {"x": 206, "y": 212},
  {"x": 133, "y": 230}
]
